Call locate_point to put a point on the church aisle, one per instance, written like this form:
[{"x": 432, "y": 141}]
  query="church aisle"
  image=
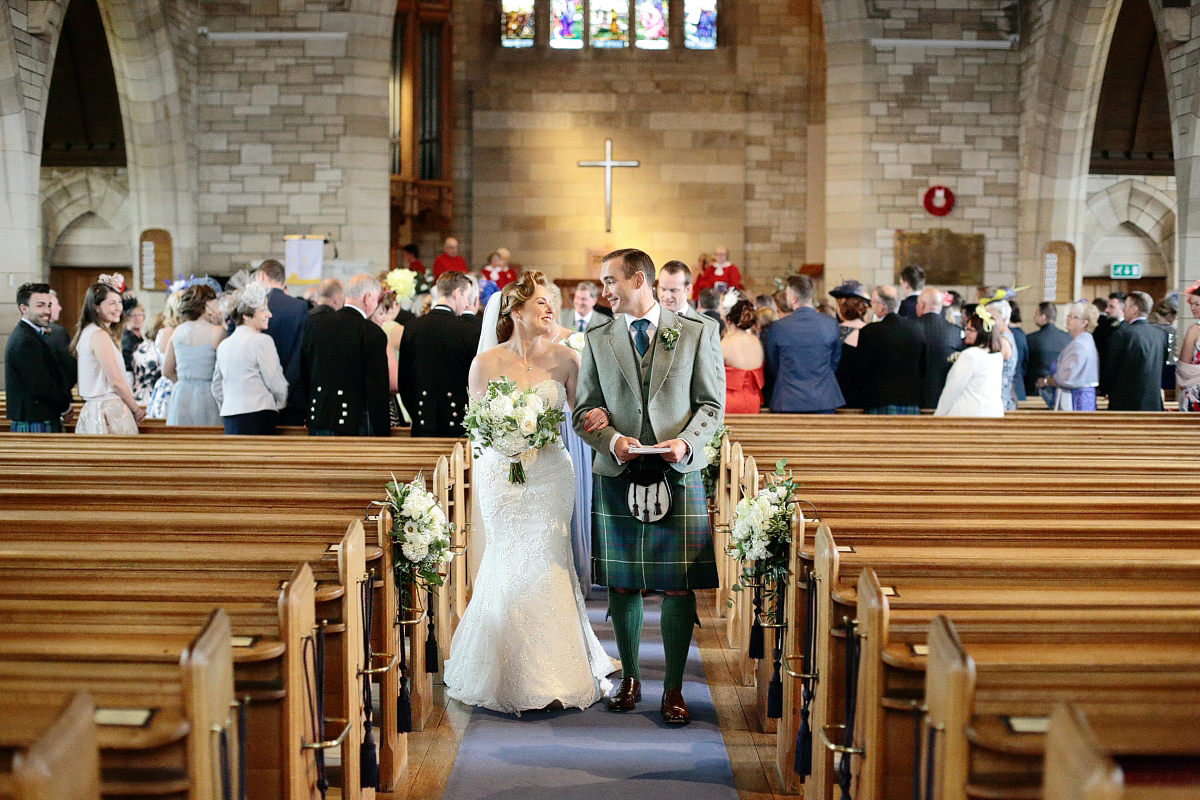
[{"x": 595, "y": 754}]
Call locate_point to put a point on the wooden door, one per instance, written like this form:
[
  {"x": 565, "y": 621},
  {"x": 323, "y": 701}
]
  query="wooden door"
[
  {"x": 72, "y": 284},
  {"x": 1102, "y": 287}
]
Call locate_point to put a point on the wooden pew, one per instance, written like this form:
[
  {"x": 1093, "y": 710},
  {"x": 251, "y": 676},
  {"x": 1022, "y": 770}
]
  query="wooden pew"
[
  {"x": 48, "y": 749},
  {"x": 968, "y": 688},
  {"x": 188, "y": 745},
  {"x": 1085, "y": 753}
]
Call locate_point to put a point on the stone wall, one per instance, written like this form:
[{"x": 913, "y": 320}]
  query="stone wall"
[
  {"x": 720, "y": 137},
  {"x": 292, "y": 135},
  {"x": 903, "y": 118}
]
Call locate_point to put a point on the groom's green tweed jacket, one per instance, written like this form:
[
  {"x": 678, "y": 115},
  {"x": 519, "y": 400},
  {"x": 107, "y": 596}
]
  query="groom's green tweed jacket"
[{"x": 686, "y": 391}]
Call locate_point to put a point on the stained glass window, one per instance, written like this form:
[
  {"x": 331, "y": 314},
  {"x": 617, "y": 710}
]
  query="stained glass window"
[
  {"x": 516, "y": 23},
  {"x": 566, "y": 24},
  {"x": 609, "y": 21},
  {"x": 700, "y": 24},
  {"x": 651, "y": 24}
]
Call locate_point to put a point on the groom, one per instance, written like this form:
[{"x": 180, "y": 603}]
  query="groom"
[{"x": 661, "y": 379}]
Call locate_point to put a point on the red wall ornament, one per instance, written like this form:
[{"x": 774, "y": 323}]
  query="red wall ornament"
[{"x": 939, "y": 200}]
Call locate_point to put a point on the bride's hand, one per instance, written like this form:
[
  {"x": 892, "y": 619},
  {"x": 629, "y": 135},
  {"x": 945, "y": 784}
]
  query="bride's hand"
[{"x": 595, "y": 420}]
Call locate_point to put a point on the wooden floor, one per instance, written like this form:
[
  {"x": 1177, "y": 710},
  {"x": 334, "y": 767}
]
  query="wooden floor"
[{"x": 431, "y": 752}]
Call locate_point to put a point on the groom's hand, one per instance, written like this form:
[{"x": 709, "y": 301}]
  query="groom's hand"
[
  {"x": 679, "y": 450},
  {"x": 621, "y": 448}
]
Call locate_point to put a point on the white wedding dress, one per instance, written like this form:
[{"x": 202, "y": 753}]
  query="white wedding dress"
[{"x": 525, "y": 639}]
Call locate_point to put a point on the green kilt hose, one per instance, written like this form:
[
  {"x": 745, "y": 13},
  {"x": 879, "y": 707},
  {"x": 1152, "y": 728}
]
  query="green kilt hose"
[{"x": 674, "y": 553}]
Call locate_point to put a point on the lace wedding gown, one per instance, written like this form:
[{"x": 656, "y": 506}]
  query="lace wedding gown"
[{"x": 525, "y": 640}]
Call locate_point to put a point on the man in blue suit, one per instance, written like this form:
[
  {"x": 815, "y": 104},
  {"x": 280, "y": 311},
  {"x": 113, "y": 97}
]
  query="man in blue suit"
[
  {"x": 802, "y": 353},
  {"x": 286, "y": 329}
]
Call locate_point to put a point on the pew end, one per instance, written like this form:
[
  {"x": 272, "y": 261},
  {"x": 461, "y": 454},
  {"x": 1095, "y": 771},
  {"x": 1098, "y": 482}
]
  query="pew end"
[{"x": 55, "y": 761}]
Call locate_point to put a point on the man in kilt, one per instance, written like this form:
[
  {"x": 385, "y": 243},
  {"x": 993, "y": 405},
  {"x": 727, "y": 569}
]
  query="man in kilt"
[{"x": 661, "y": 380}]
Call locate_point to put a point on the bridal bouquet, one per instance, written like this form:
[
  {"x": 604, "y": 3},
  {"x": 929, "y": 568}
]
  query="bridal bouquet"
[
  {"x": 762, "y": 530},
  {"x": 420, "y": 534},
  {"x": 514, "y": 422}
]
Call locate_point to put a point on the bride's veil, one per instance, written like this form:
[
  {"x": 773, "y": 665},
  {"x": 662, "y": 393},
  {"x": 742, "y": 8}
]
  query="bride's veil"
[{"x": 491, "y": 316}]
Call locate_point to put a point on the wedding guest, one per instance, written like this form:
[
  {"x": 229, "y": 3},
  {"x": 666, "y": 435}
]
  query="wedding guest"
[
  {"x": 147, "y": 364},
  {"x": 891, "y": 359},
  {"x": 248, "y": 380},
  {"x": 160, "y": 395},
  {"x": 742, "y": 352},
  {"x": 1134, "y": 361},
  {"x": 942, "y": 340},
  {"x": 190, "y": 357},
  {"x": 972, "y": 387},
  {"x": 1077, "y": 368},
  {"x": 410, "y": 255},
  {"x": 131, "y": 336},
  {"x": 721, "y": 275},
  {"x": 1002, "y": 312},
  {"x": 498, "y": 271},
  {"x": 1044, "y": 346},
  {"x": 802, "y": 354},
  {"x": 673, "y": 288},
  {"x": 329, "y": 297},
  {"x": 912, "y": 281},
  {"x": 583, "y": 314},
  {"x": 854, "y": 305},
  {"x": 286, "y": 329},
  {"x": 449, "y": 260},
  {"x": 708, "y": 302},
  {"x": 435, "y": 358},
  {"x": 36, "y": 393},
  {"x": 59, "y": 340},
  {"x": 385, "y": 317},
  {"x": 954, "y": 311},
  {"x": 1022, "y": 344},
  {"x": 1113, "y": 314},
  {"x": 343, "y": 367},
  {"x": 108, "y": 405},
  {"x": 1187, "y": 368}
]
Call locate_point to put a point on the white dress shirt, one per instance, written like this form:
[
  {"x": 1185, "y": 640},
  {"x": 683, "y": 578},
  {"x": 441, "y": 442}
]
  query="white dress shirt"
[{"x": 248, "y": 376}]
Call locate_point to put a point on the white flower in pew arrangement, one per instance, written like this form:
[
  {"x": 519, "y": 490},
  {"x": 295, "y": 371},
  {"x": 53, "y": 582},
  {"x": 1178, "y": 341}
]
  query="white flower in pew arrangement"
[
  {"x": 421, "y": 535},
  {"x": 514, "y": 422},
  {"x": 712, "y": 457},
  {"x": 760, "y": 532}
]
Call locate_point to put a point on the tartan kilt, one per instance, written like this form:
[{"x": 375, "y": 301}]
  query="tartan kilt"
[
  {"x": 674, "y": 553},
  {"x": 48, "y": 426}
]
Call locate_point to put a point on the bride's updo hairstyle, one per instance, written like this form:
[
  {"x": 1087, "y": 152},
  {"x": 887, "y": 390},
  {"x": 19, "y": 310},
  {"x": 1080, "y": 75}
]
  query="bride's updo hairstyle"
[{"x": 515, "y": 295}]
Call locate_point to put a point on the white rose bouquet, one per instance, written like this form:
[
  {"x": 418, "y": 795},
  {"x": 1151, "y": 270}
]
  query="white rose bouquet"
[
  {"x": 514, "y": 422},
  {"x": 761, "y": 531},
  {"x": 420, "y": 534}
]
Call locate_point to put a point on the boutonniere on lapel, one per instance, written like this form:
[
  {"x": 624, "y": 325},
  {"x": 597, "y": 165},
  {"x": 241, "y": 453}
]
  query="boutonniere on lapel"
[{"x": 670, "y": 337}]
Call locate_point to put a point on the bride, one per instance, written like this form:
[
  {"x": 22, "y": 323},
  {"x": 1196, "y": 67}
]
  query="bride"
[{"x": 524, "y": 641}]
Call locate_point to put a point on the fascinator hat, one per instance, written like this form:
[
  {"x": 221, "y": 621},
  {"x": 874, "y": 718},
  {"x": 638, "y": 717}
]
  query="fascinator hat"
[
  {"x": 850, "y": 288},
  {"x": 246, "y": 297},
  {"x": 1003, "y": 293},
  {"x": 180, "y": 283}
]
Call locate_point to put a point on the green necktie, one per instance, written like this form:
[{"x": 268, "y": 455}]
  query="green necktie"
[{"x": 641, "y": 340}]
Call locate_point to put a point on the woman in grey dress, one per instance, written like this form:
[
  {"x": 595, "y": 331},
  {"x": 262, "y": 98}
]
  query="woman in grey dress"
[
  {"x": 191, "y": 356},
  {"x": 1077, "y": 368}
]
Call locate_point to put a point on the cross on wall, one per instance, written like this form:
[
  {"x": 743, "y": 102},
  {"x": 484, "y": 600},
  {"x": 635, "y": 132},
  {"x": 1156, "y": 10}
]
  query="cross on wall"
[{"x": 608, "y": 165}]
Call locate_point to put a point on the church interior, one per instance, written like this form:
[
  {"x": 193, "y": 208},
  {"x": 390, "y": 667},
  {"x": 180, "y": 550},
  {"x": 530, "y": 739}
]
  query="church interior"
[{"x": 961, "y": 608}]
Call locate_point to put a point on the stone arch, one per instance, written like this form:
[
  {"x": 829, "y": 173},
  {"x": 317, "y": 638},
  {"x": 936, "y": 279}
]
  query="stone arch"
[
  {"x": 72, "y": 196},
  {"x": 1062, "y": 77},
  {"x": 1137, "y": 204}
]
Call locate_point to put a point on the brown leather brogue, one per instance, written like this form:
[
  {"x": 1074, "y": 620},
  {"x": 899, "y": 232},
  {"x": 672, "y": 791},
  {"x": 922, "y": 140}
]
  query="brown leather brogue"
[
  {"x": 627, "y": 695},
  {"x": 674, "y": 710}
]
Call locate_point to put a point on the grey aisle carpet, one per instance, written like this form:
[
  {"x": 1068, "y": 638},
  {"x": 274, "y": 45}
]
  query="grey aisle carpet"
[{"x": 594, "y": 754}]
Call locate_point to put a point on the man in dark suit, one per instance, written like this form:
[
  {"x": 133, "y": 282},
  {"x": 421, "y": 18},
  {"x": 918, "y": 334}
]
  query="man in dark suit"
[
  {"x": 1044, "y": 346},
  {"x": 330, "y": 296},
  {"x": 802, "y": 351},
  {"x": 344, "y": 368},
  {"x": 912, "y": 281},
  {"x": 60, "y": 342},
  {"x": 286, "y": 329},
  {"x": 1132, "y": 368},
  {"x": 38, "y": 399},
  {"x": 1106, "y": 326},
  {"x": 435, "y": 358},
  {"x": 891, "y": 359},
  {"x": 942, "y": 339}
]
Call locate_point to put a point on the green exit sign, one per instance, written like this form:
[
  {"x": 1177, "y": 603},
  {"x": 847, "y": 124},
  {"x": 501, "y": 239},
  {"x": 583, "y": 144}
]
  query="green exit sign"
[{"x": 1125, "y": 271}]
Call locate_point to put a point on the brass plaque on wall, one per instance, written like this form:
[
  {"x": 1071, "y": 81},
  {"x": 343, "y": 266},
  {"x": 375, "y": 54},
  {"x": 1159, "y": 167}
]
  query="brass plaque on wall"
[{"x": 948, "y": 258}]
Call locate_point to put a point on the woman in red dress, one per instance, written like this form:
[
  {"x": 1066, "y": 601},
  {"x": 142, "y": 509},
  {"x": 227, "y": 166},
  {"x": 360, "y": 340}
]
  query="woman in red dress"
[{"x": 743, "y": 353}]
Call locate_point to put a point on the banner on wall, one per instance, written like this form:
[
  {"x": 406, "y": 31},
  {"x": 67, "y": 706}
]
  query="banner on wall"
[{"x": 303, "y": 258}]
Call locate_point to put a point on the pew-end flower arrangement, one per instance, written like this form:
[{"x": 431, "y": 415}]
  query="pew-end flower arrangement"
[
  {"x": 712, "y": 457},
  {"x": 761, "y": 532},
  {"x": 515, "y": 422},
  {"x": 420, "y": 536}
]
